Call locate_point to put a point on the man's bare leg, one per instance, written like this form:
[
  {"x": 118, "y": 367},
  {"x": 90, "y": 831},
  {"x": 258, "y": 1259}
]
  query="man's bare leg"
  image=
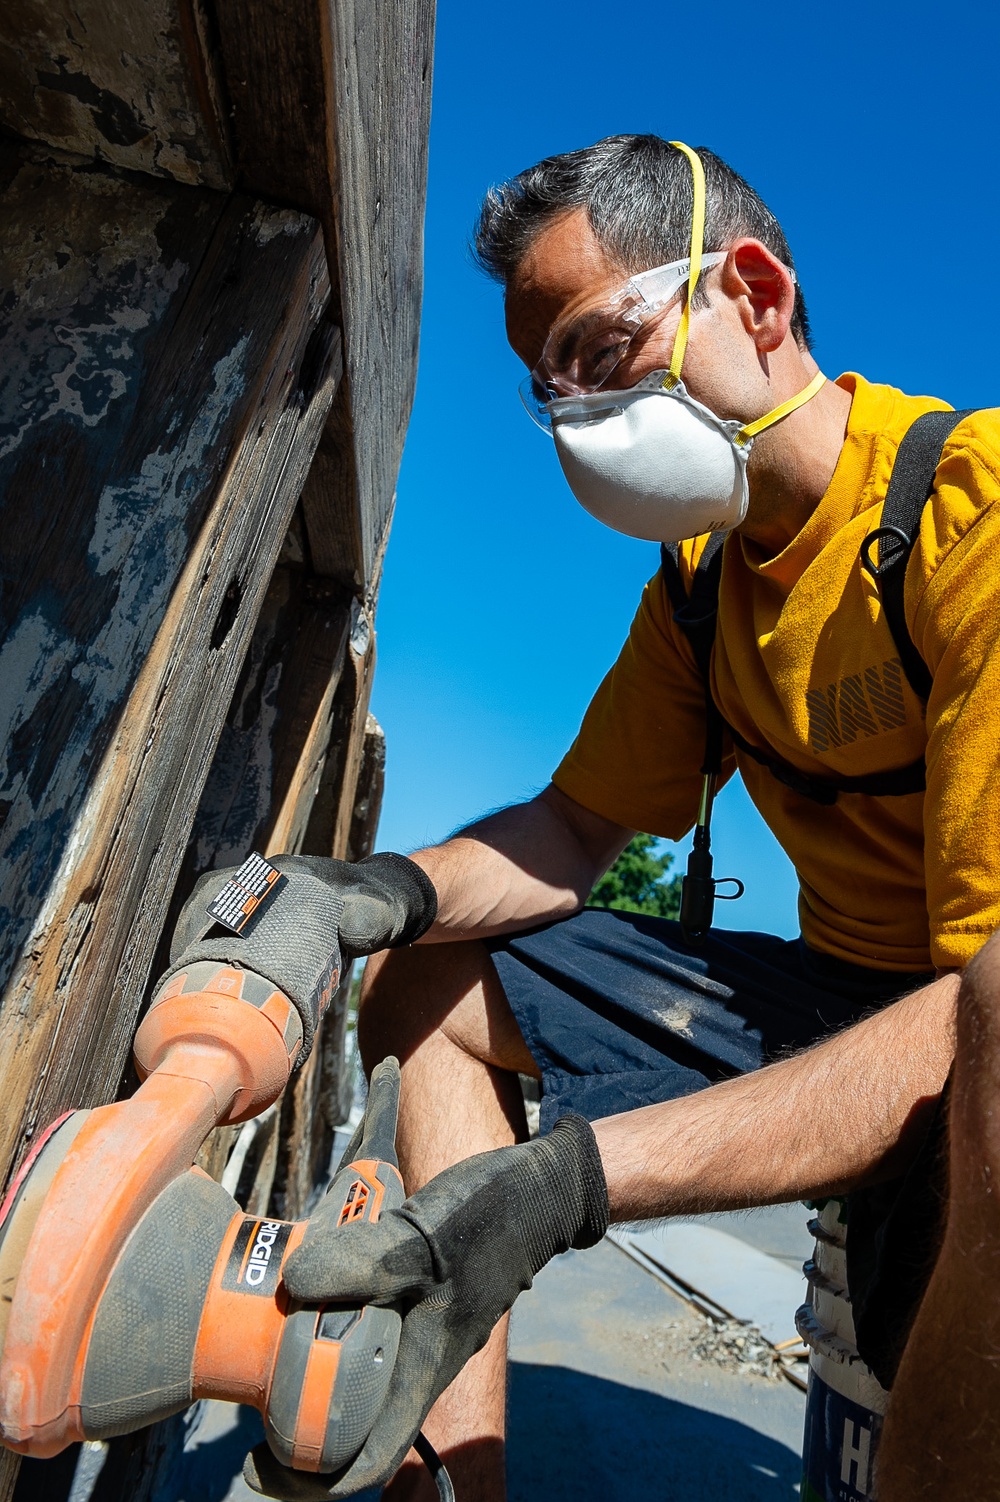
[
  {"x": 941, "y": 1437},
  {"x": 442, "y": 1011}
]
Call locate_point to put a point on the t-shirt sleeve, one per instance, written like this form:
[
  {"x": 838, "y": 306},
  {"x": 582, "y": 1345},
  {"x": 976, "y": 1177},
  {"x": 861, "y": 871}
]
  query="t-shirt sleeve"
[
  {"x": 637, "y": 759},
  {"x": 956, "y": 628}
]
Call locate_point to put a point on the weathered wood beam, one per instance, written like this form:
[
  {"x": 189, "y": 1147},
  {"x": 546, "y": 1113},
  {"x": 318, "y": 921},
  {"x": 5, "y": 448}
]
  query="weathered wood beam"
[
  {"x": 272, "y": 750},
  {"x": 330, "y": 109},
  {"x": 261, "y": 787},
  {"x": 337, "y": 1082},
  {"x": 154, "y": 451},
  {"x": 306, "y": 1131},
  {"x": 368, "y": 792},
  {"x": 329, "y": 826},
  {"x": 318, "y": 1099},
  {"x": 328, "y": 103},
  {"x": 128, "y": 84}
]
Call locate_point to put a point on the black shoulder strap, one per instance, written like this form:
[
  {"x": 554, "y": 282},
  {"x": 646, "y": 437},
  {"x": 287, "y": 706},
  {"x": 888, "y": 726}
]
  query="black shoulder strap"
[
  {"x": 695, "y": 614},
  {"x": 909, "y": 489},
  {"x": 910, "y": 486}
]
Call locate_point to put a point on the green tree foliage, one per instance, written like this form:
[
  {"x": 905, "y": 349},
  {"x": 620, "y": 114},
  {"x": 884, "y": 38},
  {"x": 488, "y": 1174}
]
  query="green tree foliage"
[{"x": 638, "y": 881}]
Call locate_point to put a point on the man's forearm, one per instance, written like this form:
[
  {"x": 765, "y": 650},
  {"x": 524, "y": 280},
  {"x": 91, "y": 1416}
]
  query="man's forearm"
[
  {"x": 527, "y": 864},
  {"x": 839, "y": 1115}
]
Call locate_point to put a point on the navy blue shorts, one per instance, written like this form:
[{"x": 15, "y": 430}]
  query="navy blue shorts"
[{"x": 618, "y": 1012}]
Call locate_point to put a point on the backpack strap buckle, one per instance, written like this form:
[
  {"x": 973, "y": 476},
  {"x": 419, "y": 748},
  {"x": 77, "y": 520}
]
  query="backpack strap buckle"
[{"x": 885, "y": 555}]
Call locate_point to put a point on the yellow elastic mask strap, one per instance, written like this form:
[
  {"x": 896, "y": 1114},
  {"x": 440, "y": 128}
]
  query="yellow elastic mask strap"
[
  {"x": 751, "y": 429},
  {"x": 697, "y": 246}
]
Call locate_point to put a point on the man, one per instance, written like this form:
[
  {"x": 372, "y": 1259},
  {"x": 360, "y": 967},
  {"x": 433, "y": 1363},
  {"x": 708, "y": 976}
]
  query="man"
[{"x": 675, "y": 412}]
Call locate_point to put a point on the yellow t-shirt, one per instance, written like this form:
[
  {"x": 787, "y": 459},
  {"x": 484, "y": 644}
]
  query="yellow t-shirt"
[{"x": 804, "y": 665}]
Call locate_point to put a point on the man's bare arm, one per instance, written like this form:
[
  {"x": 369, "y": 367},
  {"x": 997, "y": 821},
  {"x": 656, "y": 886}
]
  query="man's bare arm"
[
  {"x": 839, "y": 1115},
  {"x": 526, "y": 864}
]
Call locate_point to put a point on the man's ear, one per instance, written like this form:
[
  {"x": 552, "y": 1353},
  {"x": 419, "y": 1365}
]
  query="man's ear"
[{"x": 763, "y": 289}]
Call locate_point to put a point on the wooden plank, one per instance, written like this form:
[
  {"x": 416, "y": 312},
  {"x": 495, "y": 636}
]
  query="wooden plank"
[
  {"x": 289, "y": 753},
  {"x": 215, "y": 1152},
  {"x": 300, "y": 1158},
  {"x": 259, "y": 1194},
  {"x": 314, "y": 1097},
  {"x": 121, "y": 83},
  {"x": 336, "y": 1085},
  {"x": 368, "y": 792},
  {"x": 272, "y": 748},
  {"x": 262, "y": 783},
  {"x": 382, "y": 83},
  {"x": 329, "y": 826},
  {"x": 337, "y": 1081},
  {"x": 153, "y": 486},
  {"x": 331, "y": 503},
  {"x": 304, "y": 754},
  {"x": 354, "y": 153},
  {"x": 10, "y": 1465}
]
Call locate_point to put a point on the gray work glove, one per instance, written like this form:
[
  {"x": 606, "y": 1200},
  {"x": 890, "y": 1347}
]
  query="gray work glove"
[
  {"x": 453, "y": 1258},
  {"x": 388, "y": 900}
]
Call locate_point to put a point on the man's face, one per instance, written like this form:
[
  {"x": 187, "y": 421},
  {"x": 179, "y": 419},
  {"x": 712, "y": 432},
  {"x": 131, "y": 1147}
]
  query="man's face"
[
  {"x": 725, "y": 365},
  {"x": 564, "y": 270}
]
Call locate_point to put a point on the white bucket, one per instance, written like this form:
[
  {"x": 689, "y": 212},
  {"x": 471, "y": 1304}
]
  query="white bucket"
[{"x": 845, "y": 1403}]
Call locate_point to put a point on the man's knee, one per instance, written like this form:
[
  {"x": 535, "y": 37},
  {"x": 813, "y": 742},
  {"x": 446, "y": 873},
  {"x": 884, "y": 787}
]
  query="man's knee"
[{"x": 452, "y": 990}]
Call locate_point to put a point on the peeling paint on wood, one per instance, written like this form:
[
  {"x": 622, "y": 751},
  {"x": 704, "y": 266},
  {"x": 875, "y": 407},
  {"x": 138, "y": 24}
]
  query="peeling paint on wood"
[
  {"x": 128, "y": 84},
  {"x": 168, "y": 371},
  {"x": 134, "y": 575}
]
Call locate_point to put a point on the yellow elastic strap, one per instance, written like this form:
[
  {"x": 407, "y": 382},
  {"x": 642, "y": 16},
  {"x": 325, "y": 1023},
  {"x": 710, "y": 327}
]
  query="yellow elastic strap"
[
  {"x": 697, "y": 246},
  {"x": 751, "y": 429}
]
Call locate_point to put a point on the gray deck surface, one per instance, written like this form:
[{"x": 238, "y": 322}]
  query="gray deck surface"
[
  {"x": 607, "y": 1403},
  {"x": 779, "y": 1230}
]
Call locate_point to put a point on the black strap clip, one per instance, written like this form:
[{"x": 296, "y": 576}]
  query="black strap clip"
[
  {"x": 884, "y": 555},
  {"x": 699, "y": 888}
]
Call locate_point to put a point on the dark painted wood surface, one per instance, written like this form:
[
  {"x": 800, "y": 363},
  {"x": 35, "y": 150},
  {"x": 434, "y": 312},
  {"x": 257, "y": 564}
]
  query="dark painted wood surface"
[
  {"x": 130, "y": 84},
  {"x": 276, "y": 738},
  {"x": 175, "y": 370},
  {"x": 353, "y": 151},
  {"x": 171, "y": 357},
  {"x": 319, "y": 105}
]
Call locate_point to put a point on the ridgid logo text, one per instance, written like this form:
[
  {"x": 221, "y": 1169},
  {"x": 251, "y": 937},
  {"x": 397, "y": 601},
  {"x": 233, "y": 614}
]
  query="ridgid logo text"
[
  {"x": 254, "y": 1263},
  {"x": 260, "y": 1252}
]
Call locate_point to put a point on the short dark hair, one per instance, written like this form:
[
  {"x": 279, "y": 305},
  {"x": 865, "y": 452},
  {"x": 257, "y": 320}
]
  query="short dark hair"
[{"x": 637, "y": 191}]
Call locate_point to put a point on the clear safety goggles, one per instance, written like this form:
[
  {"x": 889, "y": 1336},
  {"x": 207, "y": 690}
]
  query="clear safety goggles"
[{"x": 583, "y": 350}]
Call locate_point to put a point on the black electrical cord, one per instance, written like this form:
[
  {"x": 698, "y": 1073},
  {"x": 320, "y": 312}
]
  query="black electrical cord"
[{"x": 435, "y": 1465}]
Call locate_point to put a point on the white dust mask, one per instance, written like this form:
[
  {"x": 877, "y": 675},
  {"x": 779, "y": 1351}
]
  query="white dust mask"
[{"x": 650, "y": 461}]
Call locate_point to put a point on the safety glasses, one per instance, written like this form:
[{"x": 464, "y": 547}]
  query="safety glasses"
[{"x": 583, "y": 350}]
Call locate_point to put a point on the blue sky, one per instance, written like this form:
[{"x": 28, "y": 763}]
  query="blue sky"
[{"x": 871, "y": 131}]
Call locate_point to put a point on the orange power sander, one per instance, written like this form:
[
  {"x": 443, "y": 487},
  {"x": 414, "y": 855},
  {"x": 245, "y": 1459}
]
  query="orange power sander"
[{"x": 131, "y": 1283}]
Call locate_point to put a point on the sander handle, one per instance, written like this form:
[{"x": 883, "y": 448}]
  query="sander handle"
[
  {"x": 378, "y": 1139},
  {"x": 334, "y": 1362}
]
